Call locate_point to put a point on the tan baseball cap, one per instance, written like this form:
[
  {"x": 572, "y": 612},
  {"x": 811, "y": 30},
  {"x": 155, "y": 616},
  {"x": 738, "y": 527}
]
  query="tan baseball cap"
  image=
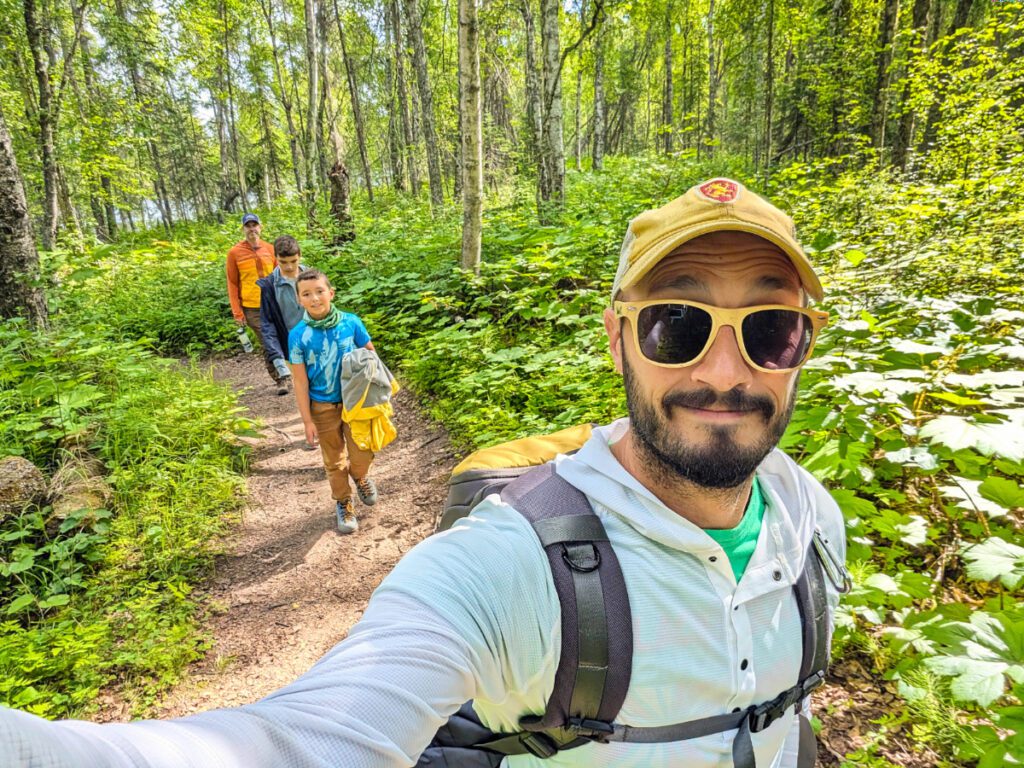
[{"x": 715, "y": 205}]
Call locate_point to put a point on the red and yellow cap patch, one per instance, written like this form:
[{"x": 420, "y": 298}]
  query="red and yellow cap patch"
[{"x": 720, "y": 190}]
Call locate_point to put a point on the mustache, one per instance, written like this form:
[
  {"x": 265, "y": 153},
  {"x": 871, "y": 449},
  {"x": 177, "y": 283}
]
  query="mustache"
[{"x": 733, "y": 400}]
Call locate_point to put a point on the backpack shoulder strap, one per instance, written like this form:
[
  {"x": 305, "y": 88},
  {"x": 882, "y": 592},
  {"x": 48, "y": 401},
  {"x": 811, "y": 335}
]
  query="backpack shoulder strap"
[{"x": 597, "y": 629}]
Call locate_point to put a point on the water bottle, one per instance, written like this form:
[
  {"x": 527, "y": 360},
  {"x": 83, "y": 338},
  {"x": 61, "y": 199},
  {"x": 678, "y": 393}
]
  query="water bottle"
[{"x": 243, "y": 339}]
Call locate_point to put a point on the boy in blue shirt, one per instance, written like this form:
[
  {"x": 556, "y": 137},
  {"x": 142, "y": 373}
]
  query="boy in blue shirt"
[{"x": 316, "y": 347}]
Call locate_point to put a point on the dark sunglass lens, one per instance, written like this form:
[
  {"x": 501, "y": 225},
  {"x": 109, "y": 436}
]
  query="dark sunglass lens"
[
  {"x": 672, "y": 333},
  {"x": 777, "y": 338}
]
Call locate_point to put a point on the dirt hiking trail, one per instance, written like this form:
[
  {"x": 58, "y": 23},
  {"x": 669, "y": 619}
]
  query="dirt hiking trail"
[{"x": 288, "y": 587}]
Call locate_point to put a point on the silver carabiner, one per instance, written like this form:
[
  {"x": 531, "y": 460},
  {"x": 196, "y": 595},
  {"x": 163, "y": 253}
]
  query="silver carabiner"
[{"x": 835, "y": 569}]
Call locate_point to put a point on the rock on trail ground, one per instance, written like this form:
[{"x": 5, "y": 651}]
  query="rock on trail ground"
[{"x": 288, "y": 586}]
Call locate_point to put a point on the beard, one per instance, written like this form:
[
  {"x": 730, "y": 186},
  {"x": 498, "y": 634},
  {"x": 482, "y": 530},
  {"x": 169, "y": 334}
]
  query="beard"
[{"x": 716, "y": 462}]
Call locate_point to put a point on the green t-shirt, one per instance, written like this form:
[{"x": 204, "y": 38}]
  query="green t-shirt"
[{"x": 739, "y": 542}]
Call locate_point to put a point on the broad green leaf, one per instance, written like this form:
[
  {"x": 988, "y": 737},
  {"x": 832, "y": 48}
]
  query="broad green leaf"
[
  {"x": 19, "y": 604},
  {"x": 1004, "y": 492},
  {"x": 973, "y": 680},
  {"x": 995, "y": 558},
  {"x": 958, "y": 432},
  {"x": 970, "y": 497}
]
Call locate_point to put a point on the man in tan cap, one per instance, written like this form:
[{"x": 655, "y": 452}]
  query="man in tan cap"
[{"x": 661, "y": 597}]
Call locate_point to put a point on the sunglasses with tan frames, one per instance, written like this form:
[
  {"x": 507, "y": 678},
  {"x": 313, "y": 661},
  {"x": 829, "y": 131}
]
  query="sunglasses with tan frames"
[{"x": 774, "y": 338}]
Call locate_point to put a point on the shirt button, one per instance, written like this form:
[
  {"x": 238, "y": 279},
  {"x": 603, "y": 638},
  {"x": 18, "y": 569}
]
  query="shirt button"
[
  {"x": 743, "y": 664},
  {"x": 777, "y": 575},
  {"x": 712, "y": 558}
]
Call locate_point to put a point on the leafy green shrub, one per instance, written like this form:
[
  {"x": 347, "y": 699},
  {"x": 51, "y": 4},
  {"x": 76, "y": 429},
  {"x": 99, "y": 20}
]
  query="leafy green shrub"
[{"x": 104, "y": 594}]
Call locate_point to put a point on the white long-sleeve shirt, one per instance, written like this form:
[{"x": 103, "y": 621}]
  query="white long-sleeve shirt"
[{"x": 473, "y": 614}]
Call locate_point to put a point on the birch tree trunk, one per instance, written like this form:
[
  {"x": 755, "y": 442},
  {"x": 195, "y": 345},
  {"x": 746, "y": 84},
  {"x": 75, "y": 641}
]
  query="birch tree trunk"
[
  {"x": 552, "y": 148},
  {"x": 600, "y": 122},
  {"x": 41, "y": 44},
  {"x": 668, "y": 93},
  {"x": 472, "y": 134},
  {"x": 395, "y": 137},
  {"x": 20, "y": 291},
  {"x": 236, "y": 156},
  {"x": 709, "y": 131},
  {"x": 403, "y": 99},
  {"x": 139, "y": 90},
  {"x": 285, "y": 99},
  {"x": 419, "y": 54},
  {"x": 357, "y": 112},
  {"x": 769, "y": 83},
  {"x": 534, "y": 94},
  {"x": 312, "y": 112}
]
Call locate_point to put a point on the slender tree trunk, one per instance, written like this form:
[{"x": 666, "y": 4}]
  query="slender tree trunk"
[
  {"x": 41, "y": 44},
  {"x": 552, "y": 146},
  {"x": 472, "y": 134},
  {"x": 138, "y": 89},
  {"x": 403, "y": 99},
  {"x": 578, "y": 141},
  {"x": 395, "y": 134},
  {"x": 102, "y": 209},
  {"x": 769, "y": 83},
  {"x": 419, "y": 53},
  {"x": 284, "y": 98},
  {"x": 20, "y": 291},
  {"x": 341, "y": 193},
  {"x": 600, "y": 127},
  {"x": 534, "y": 97},
  {"x": 883, "y": 58},
  {"x": 917, "y": 46},
  {"x": 243, "y": 187},
  {"x": 326, "y": 114},
  {"x": 312, "y": 112},
  {"x": 357, "y": 112},
  {"x": 668, "y": 93},
  {"x": 960, "y": 16},
  {"x": 709, "y": 131}
]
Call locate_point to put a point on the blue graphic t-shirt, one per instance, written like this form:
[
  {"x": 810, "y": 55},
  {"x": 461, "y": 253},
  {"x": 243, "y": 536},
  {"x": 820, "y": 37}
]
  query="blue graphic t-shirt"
[{"x": 321, "y": 352}]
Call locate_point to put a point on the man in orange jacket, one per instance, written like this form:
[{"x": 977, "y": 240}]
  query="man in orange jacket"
[{"x": 247, "y": 262}]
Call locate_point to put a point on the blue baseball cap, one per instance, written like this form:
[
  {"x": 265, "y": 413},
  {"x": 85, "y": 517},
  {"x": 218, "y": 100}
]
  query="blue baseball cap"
[{"x": 250, "y": 217}]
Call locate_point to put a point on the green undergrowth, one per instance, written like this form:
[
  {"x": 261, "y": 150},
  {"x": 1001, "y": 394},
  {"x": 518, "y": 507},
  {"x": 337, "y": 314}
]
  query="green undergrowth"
[
  {"x": 911, "y": 412},
  {"x": 102, "y": 595}
]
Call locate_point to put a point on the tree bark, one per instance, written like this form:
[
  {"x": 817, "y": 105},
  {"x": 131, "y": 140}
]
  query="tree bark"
[
  {"x": 341, "y": 210},
  {"x": 883, "y": 59},
  {"x": 600, "y": 122},
  {"x": 395, "y": 136},
  {"x": 41, "y": 44},
  {"x": 284, "y": 98},
  {"x": 20, "y": 291},
  {"x": 710, "y": 126},
  {"x": 403, "y": 99},
  {"x": 139, "y": 91},
  {"x": 236, "y": 155},
  {"x": 769, "y": 83},
  {"x": 419, "y": 54},
  {"x": 357, "y": 112},
  {"x": 552, "y": 193},
  {"x": 472, "y": 134},
  {"x": 534, "y": 95},
  {"x": 960, "y": 16},
  {"x": 668, "y": 93},
  {"x": 917, "y": 46},
  {"x": 312, "y": 113}
]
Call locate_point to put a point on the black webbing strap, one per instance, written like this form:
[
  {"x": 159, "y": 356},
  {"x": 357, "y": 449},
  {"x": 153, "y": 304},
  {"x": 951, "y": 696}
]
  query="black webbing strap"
[
  {"x": 588, "y": 690},
  {"x": 810, "y": 595}
]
